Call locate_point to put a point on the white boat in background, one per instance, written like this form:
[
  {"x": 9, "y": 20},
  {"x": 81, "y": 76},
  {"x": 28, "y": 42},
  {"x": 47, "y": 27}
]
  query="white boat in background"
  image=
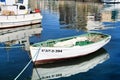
[
  {"x": 15, "y": 14},
  {"x": 111, "y": 1},
  {"x": 64, "y": 48},
  {"x": 69, "y": 67}
]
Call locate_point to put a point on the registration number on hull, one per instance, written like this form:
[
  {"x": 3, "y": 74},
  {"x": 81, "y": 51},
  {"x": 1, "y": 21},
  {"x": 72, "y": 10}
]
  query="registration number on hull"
[{"x": 52, "y": 50}]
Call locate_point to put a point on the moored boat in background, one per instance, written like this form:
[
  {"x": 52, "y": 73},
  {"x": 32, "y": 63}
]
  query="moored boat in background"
[
  {"x": 15, "y": 14},
  {"x": 70, "y": 47}
]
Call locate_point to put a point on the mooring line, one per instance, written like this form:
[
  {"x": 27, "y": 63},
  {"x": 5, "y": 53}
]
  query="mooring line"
[{"x": 27, "y": 65}]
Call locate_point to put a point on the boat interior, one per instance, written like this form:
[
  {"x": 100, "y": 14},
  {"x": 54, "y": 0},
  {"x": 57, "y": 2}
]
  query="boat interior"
[{"x": 73, "y": 41}]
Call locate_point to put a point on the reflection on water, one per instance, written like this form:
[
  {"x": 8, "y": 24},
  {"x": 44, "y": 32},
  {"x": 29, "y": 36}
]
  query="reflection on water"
[
  {"x": 14, "y": 55},
  {"x": 78, "y": 15},
  {"x": 19, "y": 35},
  {"x": 69, "y": 67},
  {"x": 113, "y": 11}
]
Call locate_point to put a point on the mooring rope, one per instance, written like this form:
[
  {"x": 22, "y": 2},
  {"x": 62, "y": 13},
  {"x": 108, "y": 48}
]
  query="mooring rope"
[{"x": 27, "y": 65}]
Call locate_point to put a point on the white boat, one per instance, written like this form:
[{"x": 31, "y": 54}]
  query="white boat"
[
  {"x": 14, "y": 14},
  {"x": 69, "y": 67},
  {"x": 111, "y": 1},
  {"x": 63, "y": 48}
]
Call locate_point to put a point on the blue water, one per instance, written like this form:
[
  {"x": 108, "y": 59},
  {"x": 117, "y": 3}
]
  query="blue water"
[
  {"x": 12, "y": 61},
  {"x": 110, "y": 69},
  {"x": 2, "y": 0}
]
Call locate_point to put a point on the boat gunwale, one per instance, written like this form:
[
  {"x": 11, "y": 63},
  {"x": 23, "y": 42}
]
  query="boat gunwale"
[
  {"x": 21, "y": 14},
  {"x": 71, "y": 37}
]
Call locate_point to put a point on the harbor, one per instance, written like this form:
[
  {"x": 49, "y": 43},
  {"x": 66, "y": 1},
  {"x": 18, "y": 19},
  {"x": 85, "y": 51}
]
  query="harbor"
[{"x": 62, "y": 19}]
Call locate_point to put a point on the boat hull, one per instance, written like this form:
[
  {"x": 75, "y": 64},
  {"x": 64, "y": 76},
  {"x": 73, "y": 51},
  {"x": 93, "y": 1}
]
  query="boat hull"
[
  {"x": 48, "y": 54},
  {"x": 69, "y": 67},
  {"x": 19, "y": 20}
]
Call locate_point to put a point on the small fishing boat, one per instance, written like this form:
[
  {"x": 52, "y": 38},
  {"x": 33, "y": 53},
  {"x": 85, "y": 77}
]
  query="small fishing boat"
[
  {"x": 68, "y": 68},
  {"x": 17, "y": 14},
  {"x": 69, "y": 47}
]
